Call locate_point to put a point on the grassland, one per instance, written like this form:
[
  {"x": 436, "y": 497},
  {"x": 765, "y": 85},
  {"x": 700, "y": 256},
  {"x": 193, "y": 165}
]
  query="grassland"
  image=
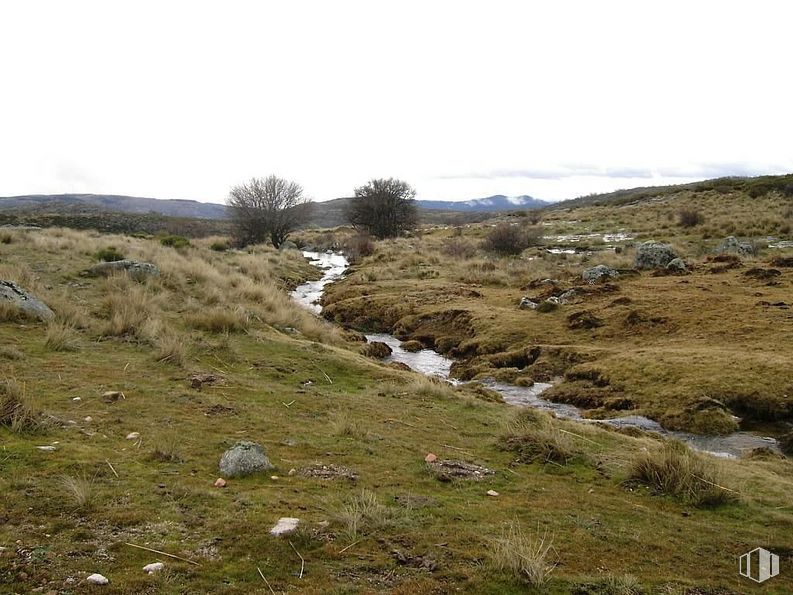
[
  {"x": 579, "y": 509},
  {"x": 691, "y": 351}
]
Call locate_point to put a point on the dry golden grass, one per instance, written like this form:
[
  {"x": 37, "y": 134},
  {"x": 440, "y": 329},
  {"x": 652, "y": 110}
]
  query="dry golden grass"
[
  {"x": 60, "y": 336},
  {"x": 527, "y": 557},
  {"x": 536, "y": 436},
  {"x": 79, "y": 491},
  {"x": 17, "y": 412},
  {"x": 677, "y": 471}
]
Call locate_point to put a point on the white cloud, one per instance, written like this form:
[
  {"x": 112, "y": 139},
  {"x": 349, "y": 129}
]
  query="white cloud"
[{"x": 184, "y": 99}]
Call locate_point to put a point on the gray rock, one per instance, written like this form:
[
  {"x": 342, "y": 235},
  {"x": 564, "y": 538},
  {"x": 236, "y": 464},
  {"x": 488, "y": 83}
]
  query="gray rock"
[
  {"x": 568, "y": 295},
  {"x": 27, "y": 303},
  {"x": 595, "y": 274},
  {"x": 653, "y": 255},
  {"x": 678, "y": 265},
  {"x": 733, "y": 245},
  {"x": 244, "y": 458},
  {"x": 132, "y": 267},
  {"x": 527, "y": 304},
  {"x": 288, "y": 245}
]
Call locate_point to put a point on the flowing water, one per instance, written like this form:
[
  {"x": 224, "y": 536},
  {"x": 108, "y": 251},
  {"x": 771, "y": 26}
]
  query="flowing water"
[{"x": 432, "y": 363}]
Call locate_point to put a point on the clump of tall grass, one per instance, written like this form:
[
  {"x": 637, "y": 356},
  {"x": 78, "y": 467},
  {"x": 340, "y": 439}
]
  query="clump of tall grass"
[
  {"x": 17, "y": 412},
  {"x": 109, "y": 254},
  {"x": 526, "y": 557},
  {"x": 60, "y": 336},
  {"x": 677, "y": 471},
  {"x": 534, "y": 436},
  {"x": 219, "y": 320},
  {"x": 341, "y": 424},
  {"x": 363, "y": 514},
  {"x": 79, "y": 491},
  {"x": 166, "y": 449}
]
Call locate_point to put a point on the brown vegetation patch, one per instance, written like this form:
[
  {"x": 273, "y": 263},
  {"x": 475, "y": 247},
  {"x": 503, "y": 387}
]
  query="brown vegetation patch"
[
  {"x": 328, "y": 472},
  {"x": 583, "y": 320},
  {"x": 447, "y": 470}
]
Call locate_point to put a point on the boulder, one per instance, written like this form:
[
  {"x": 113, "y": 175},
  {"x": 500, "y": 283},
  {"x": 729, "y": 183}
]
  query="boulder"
[
  {"x": 677, "y": 265},
  {"x": 244, "y": 458},
  {"x": 376, "y": 349},
  {"x": 653, "y": 255},
  {"x": 27, "y": 303},
  {"x": 527, "y": 304},
  {"x": 598, "y": 273},
  {"x": 136, "y": 269},
  {"x": 733, "y": 245}
]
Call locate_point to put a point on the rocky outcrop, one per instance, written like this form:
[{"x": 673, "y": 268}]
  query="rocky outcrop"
[
  {"x": 134, "y": 268},
  {"x": 677, "y": 266},
  {"x": 598, "y": 273},
  {"x": 27, "y": 303},
  {"x": 376, "y": 350},
  {"x": 244, "y": 458},
  {"x": 733, "y": 245},
  {"x": 653, "y": 255}
]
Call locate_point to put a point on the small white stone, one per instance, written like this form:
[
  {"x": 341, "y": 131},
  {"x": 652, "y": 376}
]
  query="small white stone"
[
  {"x": 153, "y": 567},
  {"x": 88, "y": 419},
  {"x": 492, "y": 493},
  {"x": 76, "y": 399},
  {"x": 133, "y": 435},
  {"x": 285, "y": 525},
  {"x": 97, "y": 579},
  {"x": 46, "y": 448}
]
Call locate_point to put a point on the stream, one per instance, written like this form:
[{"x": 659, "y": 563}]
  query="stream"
[{"x": 432, "y": 363}]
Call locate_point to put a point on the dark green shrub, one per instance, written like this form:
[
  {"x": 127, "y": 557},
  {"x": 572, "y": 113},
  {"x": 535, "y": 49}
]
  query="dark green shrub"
[
  {"x": 219, "y": 246},
  {"x": 690, "y": 218},
  {"x": 109, "y": 254},
  {"x": 506, "y": 239},
  {"x": 175, "y": 241}
]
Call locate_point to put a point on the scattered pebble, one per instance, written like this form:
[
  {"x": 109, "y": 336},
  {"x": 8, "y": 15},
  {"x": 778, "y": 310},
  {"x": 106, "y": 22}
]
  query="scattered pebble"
[
  {"x": 76, "y": 399},
  {"x": 153, "y": 567},
  {"x": 133, "y": 435},
  {"x": 274, "y": 477},
  {"x": 430, "y": 458},
  {"x": 97, "y": 579},
  {"x": 220, "y": 483},
  {"x": 285, "y": 525},
  {"x": 46, "y": 448},
  {"x": 88, "y": 419},
  {"x": 492, "y": 493},
  {"x": 292, "y": 471},
  {"x": 112, "y": 396}
]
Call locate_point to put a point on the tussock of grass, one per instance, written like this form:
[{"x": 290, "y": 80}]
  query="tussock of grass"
[
  {"x": 127, "y": 306},
  {"x": 526, "y": 557},
  {"x": 166, "y": 449},
  {"x": 342, "y": 424},
  {"x": 219, "y": 320},
  {"x": 17, "y": 413},
  {"x": 9, "y": 312},
  {"x": 79, "y": 491},
  {"x": 534, "y": 436},
  {"x": 677, "y": 471},
  {"x": 60, "y": 337},
  {"x": 10, "y": 352},
  {"x": 364, "y": 514}
]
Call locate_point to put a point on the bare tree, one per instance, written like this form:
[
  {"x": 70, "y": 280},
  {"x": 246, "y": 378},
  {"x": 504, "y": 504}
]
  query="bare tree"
[
  {"x": 265, "y": 207},
  {"x": 383, "y": 208}
]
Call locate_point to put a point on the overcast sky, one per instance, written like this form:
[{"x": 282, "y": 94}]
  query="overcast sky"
[{"x": 461, "y": 99}]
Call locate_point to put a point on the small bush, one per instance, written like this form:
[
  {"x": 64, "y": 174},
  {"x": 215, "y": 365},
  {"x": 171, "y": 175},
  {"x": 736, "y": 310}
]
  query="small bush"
[
  {"x": 677, "y": 471},
  {"x": 109, "y": 254},
  {"x": 690, "y": 218},
  {"x": 526, "y": 557},
  {"x": 357, "y": 247},
  {"x": 458, "y": 248},
  {"x": 219, "y": 246},
  {"x": 506, "y": 239},
  {"x": 6, "y": 238},
  {"x": 174, "y": 241}
]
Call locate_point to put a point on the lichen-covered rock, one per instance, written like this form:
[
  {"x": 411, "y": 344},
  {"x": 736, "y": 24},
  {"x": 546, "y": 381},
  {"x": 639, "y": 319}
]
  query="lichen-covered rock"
[
  {"x": 678, "y": 265},
  {"x": 244, "y": 458},
  {"x": 26, "y": 302},
  {"x": 653, "y": 255},
  {"x": 133, "y": 268},
  {"x": 733, "y": 245},
  {"x": 527, "y": 304},
  {"x": 599, "y": 272}
]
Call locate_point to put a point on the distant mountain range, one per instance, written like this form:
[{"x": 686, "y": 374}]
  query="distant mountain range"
[
  {"x": 497, "y": 202},
  {"x": 200, "y": 210}
]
